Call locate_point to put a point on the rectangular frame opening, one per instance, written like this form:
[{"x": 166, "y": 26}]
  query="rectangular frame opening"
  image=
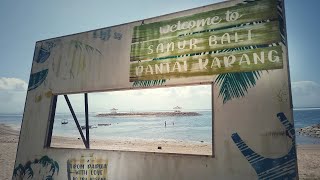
[{"x": 181, "y": 124}]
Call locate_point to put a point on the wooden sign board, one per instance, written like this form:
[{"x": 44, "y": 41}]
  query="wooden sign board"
[{"x": 245, "y": 37}]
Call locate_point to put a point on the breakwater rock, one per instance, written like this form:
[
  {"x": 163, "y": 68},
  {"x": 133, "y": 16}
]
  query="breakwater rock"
[
  {"x": 149, "y": 114},
  {"x": 313, "y": 131}
]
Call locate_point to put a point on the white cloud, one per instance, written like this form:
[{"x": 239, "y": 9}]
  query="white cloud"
[
  {"x": 305, "y": 94},
  {"x": 13, "y": 92},
  {"x": 12, "y": 95},
  {"x": 12, "y": 84},
  {"x": 188, "y": 97}
]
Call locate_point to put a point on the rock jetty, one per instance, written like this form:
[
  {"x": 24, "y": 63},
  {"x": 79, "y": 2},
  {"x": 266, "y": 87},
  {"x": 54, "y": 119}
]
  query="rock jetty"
[
  {"x": 313, "y": 131},
  {"x": 149, "y": 114}
]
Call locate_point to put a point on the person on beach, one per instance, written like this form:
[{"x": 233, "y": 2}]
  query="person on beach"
[{"x": 165, "y": 124}]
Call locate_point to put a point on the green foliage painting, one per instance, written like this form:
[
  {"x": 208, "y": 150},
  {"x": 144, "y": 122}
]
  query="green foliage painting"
[
  {"x": 84, "y": 47},
  {"x": 80, "y": 53},
  {"x": 76, "y": 60},
  {"x": 44, "y": 168},
  {"x": 236, "y": 85}
]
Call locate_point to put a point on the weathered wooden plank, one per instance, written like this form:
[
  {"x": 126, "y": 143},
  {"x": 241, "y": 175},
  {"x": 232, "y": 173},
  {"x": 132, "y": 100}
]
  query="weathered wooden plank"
[
  {"x": 208, "y": 64},
  {"x": 220, "y": 18},
  {"x": 255, "y": 34},
  {"x": 181, "y": 46}
]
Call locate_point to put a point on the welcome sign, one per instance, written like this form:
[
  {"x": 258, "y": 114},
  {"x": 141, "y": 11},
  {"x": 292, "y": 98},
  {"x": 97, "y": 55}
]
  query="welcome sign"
[
  {"x": 232, "y": 43},
  {"x": 241, "y": 38}
]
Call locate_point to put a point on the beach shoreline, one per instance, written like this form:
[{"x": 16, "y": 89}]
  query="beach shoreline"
[
  {"x": 308, "y": 155},
  {"x": 139, "y": 114}
]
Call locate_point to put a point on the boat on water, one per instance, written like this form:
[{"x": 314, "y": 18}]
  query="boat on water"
[
  {"x": 64, "y": 121},
  {"x": 94, "y": 126},
  {"x": 90, "y": 127},
  {"x": 104, "y": 124}
]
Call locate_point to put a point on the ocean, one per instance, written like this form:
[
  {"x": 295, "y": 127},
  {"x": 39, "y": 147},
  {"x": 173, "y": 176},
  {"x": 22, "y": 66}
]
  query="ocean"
[{"x": 178, "y": 128}]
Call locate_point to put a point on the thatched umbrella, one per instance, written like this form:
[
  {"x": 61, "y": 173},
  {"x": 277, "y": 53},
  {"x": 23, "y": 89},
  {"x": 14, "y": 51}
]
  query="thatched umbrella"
[
  {"x": 113, "y": 110},
  {"x": 177, "y": 109}
]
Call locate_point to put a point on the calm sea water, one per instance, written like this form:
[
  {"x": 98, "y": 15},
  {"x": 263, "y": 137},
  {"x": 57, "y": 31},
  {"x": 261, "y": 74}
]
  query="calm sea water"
[
  {"x": 187, "y": 128},
  {"x": 303, "y": 118},
  {"x": 195, "y": 128}
]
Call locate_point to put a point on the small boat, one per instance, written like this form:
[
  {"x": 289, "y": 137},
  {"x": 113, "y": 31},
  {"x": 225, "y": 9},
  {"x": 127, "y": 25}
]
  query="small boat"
[
  {"x": 94, "y": 126},
  {"x": 106, "y": 124},
  {"x": 64, "y": 121},
  {"x": 90, "y": 127}
]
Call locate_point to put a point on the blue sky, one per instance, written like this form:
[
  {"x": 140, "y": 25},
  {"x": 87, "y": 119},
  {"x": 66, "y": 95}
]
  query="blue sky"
[{"x": 25, "y": 22}]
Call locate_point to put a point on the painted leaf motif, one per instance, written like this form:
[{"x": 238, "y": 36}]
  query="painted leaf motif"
[
  {"x": 82, "y": 46},
  {"x": 43, "y": 55},
  {"x": 49, "y": 177},
  {"x": 236, "y": 85},
  {"x": 19, "y": 170},
  {"x": 147, "y": 83},
  {"x": 45, "y": 160},
  {"x": 37, "y": 78},
  {"x": 28, "y": 170},
  {"x": 54, "y": 167},
  {"x": 57, "y": 166}
]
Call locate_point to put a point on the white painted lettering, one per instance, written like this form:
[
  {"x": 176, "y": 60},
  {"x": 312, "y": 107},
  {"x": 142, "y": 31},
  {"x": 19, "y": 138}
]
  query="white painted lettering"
[
  {"x": 215, "y": 62},
  {"x": 272, "y": 57},
  {"x": 171, "y": 44},
  {"x": 139, "y": 70},
  {"x": 202, "y": 65},
  {"x": 244, "y": 59},
  {"x": 158, "y": 68},
  {"x": 150, "y": 50},
  {"x": 256, "y": 57},
  {"x": 225, "y": 37},
  {"x": 229, "y": 60},
  {"x": 212, "y": 40},
  {"x": 149, "y": 69},
  {"x": 193, "y": 43},
  {"x": 176, "y": 66},
  {"x": 215, "y": 20},
  {"x": 160, "y": 48}
]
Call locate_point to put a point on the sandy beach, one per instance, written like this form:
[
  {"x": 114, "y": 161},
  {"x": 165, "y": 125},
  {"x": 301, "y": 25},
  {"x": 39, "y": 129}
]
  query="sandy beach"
[
  {"x": 136, "y": 145},
  {"x": 308, "y": 155},
  {"x": 8, "y": 146}
]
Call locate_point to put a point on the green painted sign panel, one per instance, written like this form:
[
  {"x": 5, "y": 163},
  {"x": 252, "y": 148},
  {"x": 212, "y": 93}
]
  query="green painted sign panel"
[{"x": 244, "y": 37}]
